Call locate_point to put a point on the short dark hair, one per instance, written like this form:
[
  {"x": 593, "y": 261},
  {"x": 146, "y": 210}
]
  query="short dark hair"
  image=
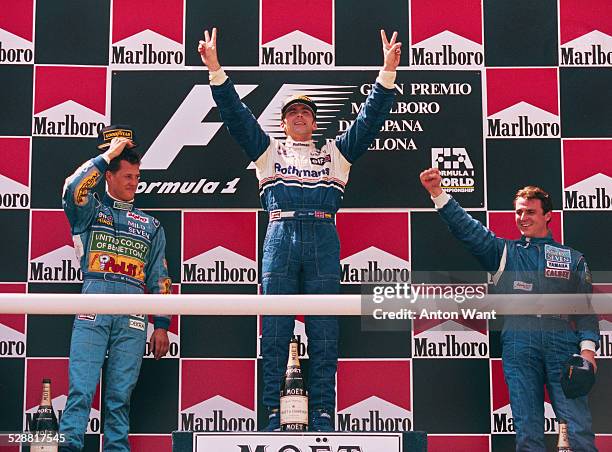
[
  {"x": 533, "y": 192},
  {"x": 129, "y": 155}
]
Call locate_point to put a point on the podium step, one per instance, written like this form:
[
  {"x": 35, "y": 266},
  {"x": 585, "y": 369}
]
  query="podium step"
[{"x": 298, "y": 442}]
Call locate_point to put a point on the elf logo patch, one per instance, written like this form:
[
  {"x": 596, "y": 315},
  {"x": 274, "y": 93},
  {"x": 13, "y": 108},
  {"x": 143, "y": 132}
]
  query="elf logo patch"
[
  {"x": 522, "y": 103},
  {"x": 219, "y": 248},
  {"x": 586, "y": 33},
  {"x": 147, "y": 34},
  {"x": 15, "y": 173},
  {"x": 441, "y": 40},
  {"x": 69, "y": 101},
  {"x": 16, "y": 32},
  {"x": 300, "y": 36}
]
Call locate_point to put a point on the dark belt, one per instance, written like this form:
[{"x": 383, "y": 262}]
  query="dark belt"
[
  {"x": 114, "y": 277},
  {"x": 278, "y": 214}
]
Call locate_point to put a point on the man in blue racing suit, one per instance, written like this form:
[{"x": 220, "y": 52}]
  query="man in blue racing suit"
[
  {"x": 121, "y": 250},
  {"x": 301, "y": 187},
  {"x": 534, "y": 347}
]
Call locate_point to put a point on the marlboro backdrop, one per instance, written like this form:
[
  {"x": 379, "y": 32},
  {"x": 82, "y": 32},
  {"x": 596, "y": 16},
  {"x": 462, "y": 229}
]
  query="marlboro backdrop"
[{"x": 498, "y": 94}]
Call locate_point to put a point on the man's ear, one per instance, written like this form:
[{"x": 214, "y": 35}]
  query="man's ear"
[
  {"x": 548, "y": 217},
  {"x": 314, "y": 125},
  {"x": 283, "y": 125}
]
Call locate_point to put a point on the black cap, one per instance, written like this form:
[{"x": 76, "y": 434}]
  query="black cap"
[
  {"x": 577, "y": 377},
  {"x": 299, "y": 99},
  {"x": 106, "y": 135}
]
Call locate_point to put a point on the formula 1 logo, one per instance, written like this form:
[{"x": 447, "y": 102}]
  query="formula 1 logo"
[
  {"x": 456, "y": 169},
  {"x": 186, "y": 126}
]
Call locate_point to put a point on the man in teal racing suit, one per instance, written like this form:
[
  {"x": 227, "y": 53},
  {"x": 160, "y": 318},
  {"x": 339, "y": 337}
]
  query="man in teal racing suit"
[{"x": 121, "y": 251}]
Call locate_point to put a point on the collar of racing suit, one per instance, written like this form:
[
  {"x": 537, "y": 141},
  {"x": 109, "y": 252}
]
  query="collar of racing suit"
[
  {"x": 108, "y": 200},
  {"x": 547, "y": 239},
  {"x": 291, "y": 143}
]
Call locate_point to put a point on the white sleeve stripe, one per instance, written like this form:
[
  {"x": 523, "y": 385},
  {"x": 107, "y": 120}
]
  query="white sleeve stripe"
[{"x": 502, "y": 266}]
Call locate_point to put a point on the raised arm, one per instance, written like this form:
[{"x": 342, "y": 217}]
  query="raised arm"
[
  {"x": 479, "y": 240},
  {"x": 238, "y": 119},
  {"x": 77, "y": 195},
  {"x": 355, "y": 141}
]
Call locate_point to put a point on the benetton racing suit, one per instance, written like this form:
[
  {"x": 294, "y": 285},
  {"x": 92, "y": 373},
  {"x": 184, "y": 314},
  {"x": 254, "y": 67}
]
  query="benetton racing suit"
[
  {"x": 121, "y": 249},
  {"x": 301, "y": 251},
  {"x": 534, "y": 348}
]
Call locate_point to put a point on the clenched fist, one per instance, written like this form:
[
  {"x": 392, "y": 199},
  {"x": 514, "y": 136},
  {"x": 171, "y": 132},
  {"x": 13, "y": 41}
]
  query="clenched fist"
[{"x": 431, "y": 180}]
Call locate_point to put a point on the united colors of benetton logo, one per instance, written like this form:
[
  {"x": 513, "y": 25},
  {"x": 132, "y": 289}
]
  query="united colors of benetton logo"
[
  {"x": 587, "y": 174},
  {"x": 379, "y": 400},
  {"x": 374, "y": 247},
  {"x": 299, "y": 36},
  {"x": 459, "y": 338},
  {"x": 15, "y": 173},
  {"x": 501, "y": 413},
  {"x": 226, "y": 403},
  {"x": 52, "y": 254},
  {"x": 522, "y": 103},
  {"x": 443, "y": 40},
  {"x": 147, "y": 33},
  {"x": 586, "y": 33},
  {"x": 57, "y": 371},
  {"x": 219, "y": 248},
  {"x": 69, "y": 101},
  {"x": 16, "y": 30}
]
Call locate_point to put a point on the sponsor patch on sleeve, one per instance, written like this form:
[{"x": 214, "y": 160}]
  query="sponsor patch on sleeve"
[
  {"x": 89, "y": 181},
  {"x": 165, "y": 286},
  {"x": 520, "y": 285}
]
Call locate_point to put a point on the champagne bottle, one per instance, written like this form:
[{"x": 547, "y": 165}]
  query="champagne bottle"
[
  {"x": 563, "y": 445},
  {"x": 293, "y": 397},
  {"x": 45, "y": 426}
]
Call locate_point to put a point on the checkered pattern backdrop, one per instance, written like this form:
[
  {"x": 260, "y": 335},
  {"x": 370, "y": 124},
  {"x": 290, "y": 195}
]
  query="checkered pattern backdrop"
[{"x": 498, "y": 93}]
